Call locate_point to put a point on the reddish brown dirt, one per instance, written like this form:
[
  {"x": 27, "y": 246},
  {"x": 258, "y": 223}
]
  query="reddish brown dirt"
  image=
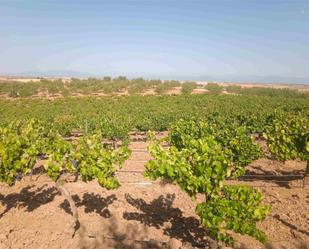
[
  {"x": 150, "y": 91},
  {"x": 199, "y": 91},
  {"x": 174, "y": 91},
  {"x": 141, "y": 213}
]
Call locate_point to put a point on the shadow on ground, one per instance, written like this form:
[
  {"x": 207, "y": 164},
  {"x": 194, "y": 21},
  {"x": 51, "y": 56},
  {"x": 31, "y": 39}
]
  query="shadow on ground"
[
  {"x": 291, "y": 226},
  {"x": 159, "y": 212},
  {"x": 28, "y": 198},
  {"x": 92, "y": 203},
  {"x": 119, "y": 236}
]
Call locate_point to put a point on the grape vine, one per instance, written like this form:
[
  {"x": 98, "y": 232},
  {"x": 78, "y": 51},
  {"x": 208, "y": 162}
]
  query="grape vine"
[
  {"x": 200, "y": 163},
  {"x": 21, "y": 144},
  {"x": 288, "y": 137}
]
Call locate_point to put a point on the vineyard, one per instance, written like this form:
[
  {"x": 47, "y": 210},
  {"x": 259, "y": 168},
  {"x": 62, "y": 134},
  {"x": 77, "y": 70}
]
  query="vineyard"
[
  {"x": 107, "y": 86},
  {"x": 198, "y": 146}
]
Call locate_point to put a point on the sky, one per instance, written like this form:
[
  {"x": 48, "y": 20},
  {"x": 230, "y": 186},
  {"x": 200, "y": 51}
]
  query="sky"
[{"x": 157, "y": 38}]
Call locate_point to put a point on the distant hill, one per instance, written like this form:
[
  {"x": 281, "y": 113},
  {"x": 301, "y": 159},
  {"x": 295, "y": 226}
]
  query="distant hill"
[
  {"x": 53, "y": 73},
  {"x": 272, "y": 79}
]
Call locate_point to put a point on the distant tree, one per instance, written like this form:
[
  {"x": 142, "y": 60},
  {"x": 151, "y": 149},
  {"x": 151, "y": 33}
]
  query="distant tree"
[
  {"x": 122, "y": 78},
  {"x": 188, "y": 87},
  {"x": 233, "y": 89},
  {"x": 214, "y": 88}
]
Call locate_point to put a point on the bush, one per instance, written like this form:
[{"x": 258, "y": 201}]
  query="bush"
[
  {"x": 214, "y": 88},
  {"x": 188, "y": 87}
]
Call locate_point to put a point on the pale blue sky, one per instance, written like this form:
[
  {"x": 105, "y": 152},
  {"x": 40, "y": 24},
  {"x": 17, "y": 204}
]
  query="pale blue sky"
[{"x": 156, "y": 38}]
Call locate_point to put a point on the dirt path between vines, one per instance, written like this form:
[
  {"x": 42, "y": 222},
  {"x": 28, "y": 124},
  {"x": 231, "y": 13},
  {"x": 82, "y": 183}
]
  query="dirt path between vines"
[{"x": 141, "y": 213}]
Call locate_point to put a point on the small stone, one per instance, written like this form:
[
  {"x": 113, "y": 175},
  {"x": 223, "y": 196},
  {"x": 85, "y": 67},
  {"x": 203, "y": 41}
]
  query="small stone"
[
  {"x": 175, "y": 244},
  {"x": 213, "y": 244},
  {"x": 186, "y": 245},
  {"x": 271, "y": 245},
  {"x": 3, "y": 237},
  {"x": 153, "y": 243}
]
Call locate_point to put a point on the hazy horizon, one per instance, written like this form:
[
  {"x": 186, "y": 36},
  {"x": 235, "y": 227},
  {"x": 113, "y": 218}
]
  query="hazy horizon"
[
  {"x": 256, "y": 41},
  {"x": 271, "y": 79}
]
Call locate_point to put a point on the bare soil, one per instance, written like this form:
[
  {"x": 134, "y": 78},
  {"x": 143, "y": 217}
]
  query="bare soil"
[
  {"x": 142, "y": 213},
  {"x": 199, "y": 91},
  {"x": 174, "y": 91},
  {"x": 150, "y": 91}
]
